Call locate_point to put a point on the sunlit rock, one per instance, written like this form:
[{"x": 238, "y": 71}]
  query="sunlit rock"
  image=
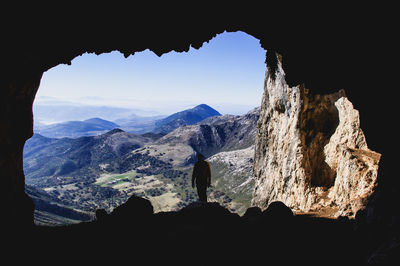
[{"x": 310, "y": 151}]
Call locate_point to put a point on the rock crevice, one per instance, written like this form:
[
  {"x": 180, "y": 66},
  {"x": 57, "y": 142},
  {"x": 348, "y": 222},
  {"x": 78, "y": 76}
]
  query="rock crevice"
[{"x": 319, "y": 119}]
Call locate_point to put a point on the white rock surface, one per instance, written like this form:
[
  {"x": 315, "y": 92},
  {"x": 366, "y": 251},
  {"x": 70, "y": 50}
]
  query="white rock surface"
[{"x": 356, "y": 166}]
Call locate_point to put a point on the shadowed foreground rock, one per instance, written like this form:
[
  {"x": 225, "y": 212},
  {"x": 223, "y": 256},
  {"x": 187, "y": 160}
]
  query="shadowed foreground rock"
[
  {"x": 207, "y": 234},
  {"x": 279, "y": 211}
]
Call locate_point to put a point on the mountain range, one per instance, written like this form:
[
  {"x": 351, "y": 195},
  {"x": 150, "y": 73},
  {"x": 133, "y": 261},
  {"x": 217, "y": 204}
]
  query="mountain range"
[
  {"x": 74, "y": 129},
  {"x": 88, "y": 173},
  {"x": 217, "y": 133},
  {"x": 132, "y": 123},
  {"x": 53, "y": 111}
]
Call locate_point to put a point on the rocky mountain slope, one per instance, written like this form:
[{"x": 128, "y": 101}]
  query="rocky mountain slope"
[{"x": 310, "y": 151}]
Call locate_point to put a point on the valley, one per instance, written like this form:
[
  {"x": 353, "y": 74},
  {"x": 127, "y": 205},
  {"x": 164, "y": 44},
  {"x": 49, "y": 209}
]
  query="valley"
[{"x": 101, "y": 172}]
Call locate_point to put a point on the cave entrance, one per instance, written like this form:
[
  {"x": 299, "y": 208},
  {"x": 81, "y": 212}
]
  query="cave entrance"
[{"x": 104, "y": 129}]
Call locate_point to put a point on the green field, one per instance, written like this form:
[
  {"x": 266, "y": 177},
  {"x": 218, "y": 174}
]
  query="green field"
[{"x": 111, "y": 180}]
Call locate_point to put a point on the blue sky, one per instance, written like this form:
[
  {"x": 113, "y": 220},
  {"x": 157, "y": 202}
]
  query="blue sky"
[{"x": 227, "y": 73}]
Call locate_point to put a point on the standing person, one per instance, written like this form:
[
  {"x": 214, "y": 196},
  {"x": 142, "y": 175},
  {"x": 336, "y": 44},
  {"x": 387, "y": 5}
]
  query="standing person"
[{"x": 202, "y": 177}]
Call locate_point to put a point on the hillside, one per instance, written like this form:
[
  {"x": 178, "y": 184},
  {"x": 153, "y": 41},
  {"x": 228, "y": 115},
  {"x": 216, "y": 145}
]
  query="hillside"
[
  {"x": 45, "y": 158},
  {"x": 50, "y": 210},
  {"x": 95, "y": 172},
  {"x": 232, "y": 172}
]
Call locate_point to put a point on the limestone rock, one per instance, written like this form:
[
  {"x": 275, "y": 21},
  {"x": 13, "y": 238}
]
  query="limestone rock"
[
  {"x": 310, "y": 152},
  {"x": 356, "y": 166}
]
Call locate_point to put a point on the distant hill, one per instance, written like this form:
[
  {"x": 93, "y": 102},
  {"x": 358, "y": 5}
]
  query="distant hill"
[
  {"x": 74, "y": 129},
  {"x": 54, "y": 111},
  {"x": 183, "y": 118}
]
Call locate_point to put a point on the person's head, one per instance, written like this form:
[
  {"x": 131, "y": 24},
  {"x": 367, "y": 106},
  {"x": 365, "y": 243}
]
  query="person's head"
[{"x": 200, "y": 157}]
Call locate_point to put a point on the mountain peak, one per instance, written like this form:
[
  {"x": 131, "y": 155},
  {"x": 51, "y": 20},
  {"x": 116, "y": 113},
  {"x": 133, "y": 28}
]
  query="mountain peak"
[
  {"x": 206, "y": 107},
  {"x": 94, "y": 119},
  {"x": 115, "y": 130},
  {"x": 185, "y": 117},
  {"x": 203, "y": 105}
]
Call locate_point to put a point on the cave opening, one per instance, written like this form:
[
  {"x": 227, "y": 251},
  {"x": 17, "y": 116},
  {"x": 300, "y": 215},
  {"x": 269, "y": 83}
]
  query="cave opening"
[
  {"x": 322, "y": 68},
  {"x": 98, "y": 136}
]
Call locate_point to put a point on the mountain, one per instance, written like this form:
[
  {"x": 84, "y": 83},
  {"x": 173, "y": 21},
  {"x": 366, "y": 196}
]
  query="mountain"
[
  {"x": 74, "y": 129},
  {"x": 186, "y": 117},
  {"x": 216, "y": 134},
  {"x": 210, "y": 136}
]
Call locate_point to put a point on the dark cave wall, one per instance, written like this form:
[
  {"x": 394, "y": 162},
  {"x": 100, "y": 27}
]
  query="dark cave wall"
[
  {"x": 16, "y": 127},
  {"x": 324, "y": 63}
]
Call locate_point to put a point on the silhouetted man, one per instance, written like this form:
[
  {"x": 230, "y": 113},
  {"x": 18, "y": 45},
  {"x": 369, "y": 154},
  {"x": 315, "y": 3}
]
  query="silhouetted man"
[{"x": 202, "y": 177}]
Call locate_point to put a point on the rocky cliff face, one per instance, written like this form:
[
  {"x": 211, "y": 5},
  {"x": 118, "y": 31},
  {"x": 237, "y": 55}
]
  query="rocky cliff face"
[{"x": 310, "y": 151}]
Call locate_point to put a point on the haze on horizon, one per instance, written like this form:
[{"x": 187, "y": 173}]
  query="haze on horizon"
[{"x": 226, "y": 73}]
